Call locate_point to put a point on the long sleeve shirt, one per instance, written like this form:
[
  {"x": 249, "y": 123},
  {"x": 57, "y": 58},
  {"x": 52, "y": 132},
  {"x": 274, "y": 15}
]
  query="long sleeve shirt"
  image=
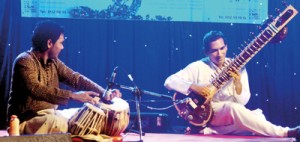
[{"x": 35, "y": 85}]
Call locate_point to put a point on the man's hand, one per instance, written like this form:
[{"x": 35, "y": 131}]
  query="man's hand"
[
  {"x": 201, "y": 90},
  {"x": 86, "y": 97},
  {"x": 234, "y": 73},
  {"x": 236, "y": 80}
]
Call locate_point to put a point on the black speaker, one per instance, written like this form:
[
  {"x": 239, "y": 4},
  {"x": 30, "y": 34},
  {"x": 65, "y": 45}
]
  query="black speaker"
[
  {"x": 61, "y": 137},
  {"x": 151, "y": 122}
]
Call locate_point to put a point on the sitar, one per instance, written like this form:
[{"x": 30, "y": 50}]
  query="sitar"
[{"x": 196, "y": 109}]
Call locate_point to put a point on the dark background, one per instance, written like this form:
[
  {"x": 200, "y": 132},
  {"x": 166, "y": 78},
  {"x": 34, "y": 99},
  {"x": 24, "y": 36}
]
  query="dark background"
[{"x": 151, "y": 51}]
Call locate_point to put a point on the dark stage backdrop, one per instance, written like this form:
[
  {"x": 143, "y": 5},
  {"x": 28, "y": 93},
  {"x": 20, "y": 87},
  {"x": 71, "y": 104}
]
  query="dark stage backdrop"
[{"x": 151, "y": 51}]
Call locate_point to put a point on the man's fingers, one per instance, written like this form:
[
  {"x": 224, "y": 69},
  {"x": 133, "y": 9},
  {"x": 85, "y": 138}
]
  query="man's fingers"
[
  {"x": 96, "y": 99},
  {"x": 233, "y": 74},
  {"x": 91, "y": 93},
  {"x": 94, "y": 102},
  {"x": 93, "y": 97}
]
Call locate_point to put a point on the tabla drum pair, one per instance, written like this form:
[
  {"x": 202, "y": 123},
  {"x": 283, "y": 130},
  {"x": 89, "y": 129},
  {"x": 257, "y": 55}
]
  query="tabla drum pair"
[{"x": 110, "y": 119}]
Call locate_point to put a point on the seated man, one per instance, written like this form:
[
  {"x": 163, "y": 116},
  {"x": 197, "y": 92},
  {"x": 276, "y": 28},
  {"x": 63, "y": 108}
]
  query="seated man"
[
  {"x": 35, "y": 93},
  {"x": 230, "y": 116}
]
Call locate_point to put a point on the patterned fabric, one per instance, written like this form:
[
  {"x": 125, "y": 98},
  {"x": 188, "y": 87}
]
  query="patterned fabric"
[{"x": 35, "y": 85}]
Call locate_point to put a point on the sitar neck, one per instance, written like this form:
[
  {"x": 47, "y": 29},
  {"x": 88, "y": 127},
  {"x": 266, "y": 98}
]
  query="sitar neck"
[{"x": 255, "y": 46}]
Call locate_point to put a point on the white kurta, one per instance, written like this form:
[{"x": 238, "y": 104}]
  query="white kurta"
[{"x": 230, "y": 114}]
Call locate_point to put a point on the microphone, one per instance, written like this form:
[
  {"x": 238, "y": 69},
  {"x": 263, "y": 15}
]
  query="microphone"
[{"x": 111, "y": 81}]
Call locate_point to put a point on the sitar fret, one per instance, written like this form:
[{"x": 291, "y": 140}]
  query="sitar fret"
[
  {"x": 260, "y": 42},
  {"x": 241, "y": 57},
  {"x": 273, "y": 28},
  {"x": 251, "y": 50},
  {"x": 254, "y": 50}
]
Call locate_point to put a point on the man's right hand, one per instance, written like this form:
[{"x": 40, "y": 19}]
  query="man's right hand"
[
  {"x": 201, "y": 90},
  {"x": 86, "y": 97}
]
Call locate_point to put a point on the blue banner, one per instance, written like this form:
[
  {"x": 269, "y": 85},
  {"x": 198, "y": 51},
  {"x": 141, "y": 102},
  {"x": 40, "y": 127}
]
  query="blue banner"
[{"x": 225, "y": 11}]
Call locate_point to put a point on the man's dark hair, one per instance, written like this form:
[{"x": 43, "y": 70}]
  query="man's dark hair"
[
  {"x": 210, "y": 37},
  {"x": 44, "y": 31}
]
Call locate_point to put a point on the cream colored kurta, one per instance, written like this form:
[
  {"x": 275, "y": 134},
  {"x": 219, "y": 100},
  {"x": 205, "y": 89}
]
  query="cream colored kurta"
[{"x": 230, "y": 114}]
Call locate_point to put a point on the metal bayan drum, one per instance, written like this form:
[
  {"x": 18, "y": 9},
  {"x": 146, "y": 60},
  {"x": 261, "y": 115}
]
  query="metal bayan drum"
[
  {"x": 110, "y": 119},
  {"x": 117, "y": 117}
]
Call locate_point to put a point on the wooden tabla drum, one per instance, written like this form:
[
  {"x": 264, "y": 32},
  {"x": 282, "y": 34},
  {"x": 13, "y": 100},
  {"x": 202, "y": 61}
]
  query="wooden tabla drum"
[{"x": 88, "y": 120}]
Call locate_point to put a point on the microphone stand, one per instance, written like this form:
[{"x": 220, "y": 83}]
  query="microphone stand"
[{"x": 138, "y": 93}]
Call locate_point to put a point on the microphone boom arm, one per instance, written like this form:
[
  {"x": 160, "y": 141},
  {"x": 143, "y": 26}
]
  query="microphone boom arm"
[{"x": 134, "y": 89}]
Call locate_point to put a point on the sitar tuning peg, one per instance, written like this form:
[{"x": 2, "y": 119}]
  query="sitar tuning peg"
[
  {"x": 259, "y": 28},
  {"x": 284, "y": 3},
  {"x": 249, "y": 40},
  {"x": 251, "y": 34},
  {"x": 240, "y": 49},
  {"x": 235, "y": 56},
  {"x": 242, "y": 45},
  {"x": 277, "y": 10},
  {"x": 270, "y": 18}
]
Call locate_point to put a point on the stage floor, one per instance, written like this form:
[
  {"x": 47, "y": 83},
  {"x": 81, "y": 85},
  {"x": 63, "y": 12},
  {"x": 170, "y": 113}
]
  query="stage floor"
[
  {"x": 163, "y": 137},
  {"x": 166, "y": 137}
]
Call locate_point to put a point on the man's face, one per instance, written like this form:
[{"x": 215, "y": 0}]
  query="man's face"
[
  {"x": 217, "y": 52},
  {"x": 55, "y": 48}
]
